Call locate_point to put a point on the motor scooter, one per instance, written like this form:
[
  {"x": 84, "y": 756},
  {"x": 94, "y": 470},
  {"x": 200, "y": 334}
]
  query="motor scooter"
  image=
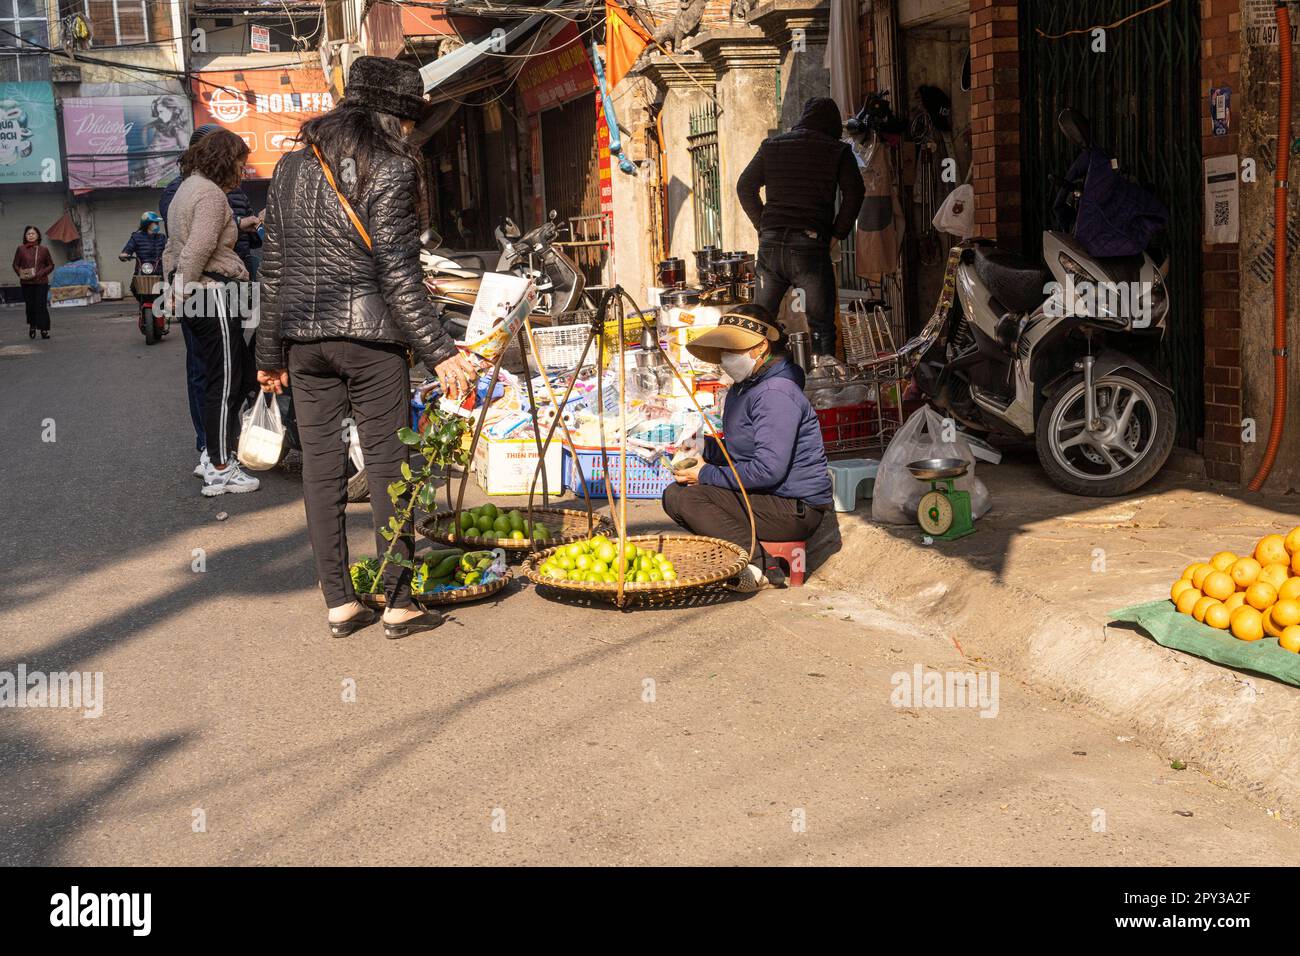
[{"x": 146, "y": 286}]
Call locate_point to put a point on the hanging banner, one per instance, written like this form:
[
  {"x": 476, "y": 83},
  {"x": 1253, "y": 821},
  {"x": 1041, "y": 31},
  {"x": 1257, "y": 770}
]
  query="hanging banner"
[
  {"x": 558, "y": 74},
  {"x": 29, "y": 136},
  {"x": 125, "y": 141},
  {"x": 264, "y": 108}
]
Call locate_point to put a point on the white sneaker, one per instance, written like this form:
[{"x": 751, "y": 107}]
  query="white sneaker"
[
  {"x": 231, "y": 479},
  {"x": 201, "y": 469}
]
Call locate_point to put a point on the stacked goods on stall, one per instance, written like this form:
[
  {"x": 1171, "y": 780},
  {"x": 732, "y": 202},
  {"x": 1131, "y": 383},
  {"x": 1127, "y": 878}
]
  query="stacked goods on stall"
[
  {"x": 597, "y": 561},
  {"x": 1253, "y": 596}
]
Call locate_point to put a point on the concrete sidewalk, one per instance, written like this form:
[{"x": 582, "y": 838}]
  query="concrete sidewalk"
[{"x": 1031, "y": 590}]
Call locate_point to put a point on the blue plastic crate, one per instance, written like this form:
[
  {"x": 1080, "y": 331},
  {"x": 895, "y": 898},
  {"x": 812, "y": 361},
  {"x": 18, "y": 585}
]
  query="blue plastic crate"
[{"x": 644, "y": 479}]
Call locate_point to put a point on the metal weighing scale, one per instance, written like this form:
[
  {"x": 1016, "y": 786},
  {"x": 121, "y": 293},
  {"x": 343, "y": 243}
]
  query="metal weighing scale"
[{"x": 944, "y": 512}]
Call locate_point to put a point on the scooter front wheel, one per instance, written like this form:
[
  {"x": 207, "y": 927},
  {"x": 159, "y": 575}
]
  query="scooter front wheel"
[
  {"x": 149, "y": 325},
  {"x": 1121, "y": 450}
]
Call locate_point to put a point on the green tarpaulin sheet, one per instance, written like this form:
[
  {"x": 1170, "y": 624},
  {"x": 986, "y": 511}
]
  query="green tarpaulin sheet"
[{"x": 1184, "y": 633}]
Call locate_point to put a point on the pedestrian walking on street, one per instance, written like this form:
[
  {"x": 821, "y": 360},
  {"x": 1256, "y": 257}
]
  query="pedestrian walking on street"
[
  {"x": 802, "y": 171},
  {"x": 33, "y": 264},
  {"x": 342, "y": 301},
  {"x": 201, "y": 265},
  {"x": 773, "y": 438}
]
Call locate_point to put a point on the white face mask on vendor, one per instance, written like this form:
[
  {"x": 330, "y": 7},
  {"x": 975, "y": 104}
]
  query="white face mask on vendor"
[{"x": 738, "y": 365}]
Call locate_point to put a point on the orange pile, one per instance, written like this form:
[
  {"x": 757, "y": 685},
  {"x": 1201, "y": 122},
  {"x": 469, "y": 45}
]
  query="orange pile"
[{"x": 1249, "y": 596}]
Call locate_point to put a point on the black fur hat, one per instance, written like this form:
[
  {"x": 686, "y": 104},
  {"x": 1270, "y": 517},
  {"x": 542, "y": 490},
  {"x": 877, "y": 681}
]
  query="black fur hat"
[{"x": 387, "y": 86}]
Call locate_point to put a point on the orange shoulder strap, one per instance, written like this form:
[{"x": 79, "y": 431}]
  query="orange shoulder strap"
[{"x": 347, "y": 206}]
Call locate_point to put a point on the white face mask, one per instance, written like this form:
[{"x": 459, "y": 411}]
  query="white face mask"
[{"x": 738, "y": 365}]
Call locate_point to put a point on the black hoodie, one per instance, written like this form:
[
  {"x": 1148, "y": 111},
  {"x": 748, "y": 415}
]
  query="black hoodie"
[{"x": 802, "y": 170}]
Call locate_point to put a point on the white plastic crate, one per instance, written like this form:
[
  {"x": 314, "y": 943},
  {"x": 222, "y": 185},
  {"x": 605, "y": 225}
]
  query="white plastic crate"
[{"x": 561, "y": 348}]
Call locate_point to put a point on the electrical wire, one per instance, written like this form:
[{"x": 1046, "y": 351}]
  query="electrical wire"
[{"x": 1103, "y": 26}]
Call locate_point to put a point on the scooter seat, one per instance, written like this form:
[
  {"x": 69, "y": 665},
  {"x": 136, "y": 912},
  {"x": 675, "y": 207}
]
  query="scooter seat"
[{"x": 1018, "y": 283}]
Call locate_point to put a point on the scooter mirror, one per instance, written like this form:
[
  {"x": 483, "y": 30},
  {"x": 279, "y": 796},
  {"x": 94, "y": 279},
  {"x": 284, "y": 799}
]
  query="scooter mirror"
[
  {"x": 1076, "y": 127},
  {"x": 509, "y": 229},
  {"x": 430, "y": 240},
  {"x": 553, "y": 216}
]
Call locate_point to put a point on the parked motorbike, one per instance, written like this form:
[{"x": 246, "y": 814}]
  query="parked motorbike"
[
  {"x": 145, "y": 286},
  {"x": 453, "y": 285},
  {"x": 1059, "y": 351}
]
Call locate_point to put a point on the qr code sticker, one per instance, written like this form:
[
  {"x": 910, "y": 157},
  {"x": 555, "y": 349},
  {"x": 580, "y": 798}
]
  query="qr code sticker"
[{"x": 1222, "y": 213}]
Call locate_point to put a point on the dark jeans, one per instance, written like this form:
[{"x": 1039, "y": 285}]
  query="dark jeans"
[
  {"x": 789, "y": 259},
  {"x": 332, "y": 381},
  {"x": 35, "y": 298},
  {"x": 720, "y": 513},
  {"x": 196, "y": 384},
  {"x": 230, "y": 377}
]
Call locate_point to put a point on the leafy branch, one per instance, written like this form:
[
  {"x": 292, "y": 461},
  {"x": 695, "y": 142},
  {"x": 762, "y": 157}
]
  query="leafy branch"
[{"x": 440, "y": 442}]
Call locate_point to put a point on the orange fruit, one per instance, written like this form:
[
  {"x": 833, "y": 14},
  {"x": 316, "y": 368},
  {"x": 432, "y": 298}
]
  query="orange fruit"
[
  {"x": 1181, "y": 585},
  {"x": 1201, "y": 573},
  {"x": 1187, "y": 600},
  {"x": 1295, "y": 563},
  {"x": 1191, "y": 569},
  {"x": 1218, "y": 615},
  {"x": 1219, "y": 585},
  {"x": 1244, "y": 571},
  {"x": 1260, "y": 595},
  {"x": 1235, "y": 601},
  {"x": 1223, "y": 560},
  {"x": 1201, "y": 606},
  {"x": 1292, "y": 540},
  {"x": 1272, "y": 549},
  {"x": 1274, "y": 574},
  {"x": 1286, "y": 613},
  {"x": 1247, "y": 624},
  {"x": 1270, "y": 625},
  {"x": 1290, "y": 590},
  {"x": 1290, "y": 638}
]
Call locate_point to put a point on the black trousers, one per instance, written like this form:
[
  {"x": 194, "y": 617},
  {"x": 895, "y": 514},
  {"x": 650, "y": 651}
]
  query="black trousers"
[
  {"x": 788, "y": 259},
  {"x": 230, "y": 378},
  {"x": 720, "y": 513},
  {"x": 333, "y": 381},
  {"x": 35, "y": 298}
]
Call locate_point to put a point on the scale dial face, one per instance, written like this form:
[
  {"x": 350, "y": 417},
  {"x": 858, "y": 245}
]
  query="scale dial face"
[{"x": 935, "y": 513}]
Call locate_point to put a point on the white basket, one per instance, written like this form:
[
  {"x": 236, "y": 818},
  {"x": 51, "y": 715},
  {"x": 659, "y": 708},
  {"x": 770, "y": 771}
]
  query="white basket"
[{"x": 561, "y": 348}]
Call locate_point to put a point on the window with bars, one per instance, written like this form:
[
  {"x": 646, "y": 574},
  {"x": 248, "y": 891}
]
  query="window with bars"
[
  {"x": 121, "y": 22},
  {"x": 24, "y": 29},
  {"x": 705, "y": 185}
]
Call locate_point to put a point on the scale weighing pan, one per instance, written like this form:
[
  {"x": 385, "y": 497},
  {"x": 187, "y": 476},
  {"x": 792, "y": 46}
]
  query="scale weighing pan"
[{"x": 938, "y": 469}]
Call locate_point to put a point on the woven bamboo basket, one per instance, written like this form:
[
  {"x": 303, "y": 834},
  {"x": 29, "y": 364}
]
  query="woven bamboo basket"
[
  {"x": 463, "y": 595},
  {"x": 571, "y": 525},
  {"x": 701, "y": 564}
]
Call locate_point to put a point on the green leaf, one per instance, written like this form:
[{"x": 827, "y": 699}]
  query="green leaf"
[
  {"x": 406, "y": 470},
  {"x": 427, "y": 496},
  {"x": 388, "y": 534},
  {"x": 396, "y": 490},
  {"x": 408, "y": 437}
]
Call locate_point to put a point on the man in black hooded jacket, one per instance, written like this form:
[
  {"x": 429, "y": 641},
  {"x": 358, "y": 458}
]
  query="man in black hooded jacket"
[{"x": 802, "y": 172}]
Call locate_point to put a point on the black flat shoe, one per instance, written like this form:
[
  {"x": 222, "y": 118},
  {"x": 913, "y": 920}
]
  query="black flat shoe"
[
  {"x": 31, "y": 331},
  {"x": 45, "y": 335},
  {"x": 363, "y": 618},
  {"x": 425, "y": 622}
]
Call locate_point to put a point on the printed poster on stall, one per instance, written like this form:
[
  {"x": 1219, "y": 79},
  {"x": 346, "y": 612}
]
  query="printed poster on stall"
[
  {"x": 125, "y": 141},
  {"x": 29, "y": 136},
  {"x": 264, "y": 108}
]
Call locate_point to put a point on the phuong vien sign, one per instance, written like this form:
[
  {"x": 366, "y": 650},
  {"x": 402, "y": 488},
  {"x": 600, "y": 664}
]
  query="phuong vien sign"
[
  {"x": 125, "y": 141},
  {"x": 29, "y": 138},
  {"x": 264, "y": 108},
  {"x": 559, "y": 74}
]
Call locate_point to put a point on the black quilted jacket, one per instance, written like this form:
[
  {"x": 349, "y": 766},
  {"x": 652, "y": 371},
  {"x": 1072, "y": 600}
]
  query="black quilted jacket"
[{"x": 320, "y": 282}]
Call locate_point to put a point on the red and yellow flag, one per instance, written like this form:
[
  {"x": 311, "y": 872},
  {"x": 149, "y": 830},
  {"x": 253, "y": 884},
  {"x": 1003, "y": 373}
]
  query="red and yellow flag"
[{"x": 624, "y": 41}]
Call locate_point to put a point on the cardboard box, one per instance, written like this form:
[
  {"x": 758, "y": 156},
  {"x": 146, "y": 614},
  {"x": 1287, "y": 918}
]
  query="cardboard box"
[{"x": 506, "y": 466}]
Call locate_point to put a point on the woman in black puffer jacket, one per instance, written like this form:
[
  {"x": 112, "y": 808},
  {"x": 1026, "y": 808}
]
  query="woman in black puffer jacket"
[{"x": 342, "y": 299}]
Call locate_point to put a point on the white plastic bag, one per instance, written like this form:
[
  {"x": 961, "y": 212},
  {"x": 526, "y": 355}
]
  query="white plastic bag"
[
  {"x": 957, "y": 214},
  {"x": 261, "y": 443},
  {"x": 897, "y": 494}
]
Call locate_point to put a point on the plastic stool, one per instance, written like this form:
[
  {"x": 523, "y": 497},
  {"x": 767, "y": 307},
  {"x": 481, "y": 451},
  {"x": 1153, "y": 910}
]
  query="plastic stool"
[
  {"x": 847, "y": 477},
  {"x": 795, "y": 556}
]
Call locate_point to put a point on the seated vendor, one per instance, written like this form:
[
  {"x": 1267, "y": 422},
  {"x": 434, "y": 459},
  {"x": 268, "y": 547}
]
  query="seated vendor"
[{"x": 773, "y": 437}]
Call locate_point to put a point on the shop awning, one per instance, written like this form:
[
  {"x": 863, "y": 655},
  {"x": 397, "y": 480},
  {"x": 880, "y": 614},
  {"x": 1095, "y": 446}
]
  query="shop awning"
[{"x": 457, "y": 66}]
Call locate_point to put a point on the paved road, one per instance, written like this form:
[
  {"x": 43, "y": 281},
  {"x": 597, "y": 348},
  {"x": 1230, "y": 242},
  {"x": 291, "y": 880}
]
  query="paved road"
[{"x": 757, "y": 731}]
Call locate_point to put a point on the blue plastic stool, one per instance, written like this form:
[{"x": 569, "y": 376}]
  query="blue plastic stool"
[{"x": 847, "y": 478}]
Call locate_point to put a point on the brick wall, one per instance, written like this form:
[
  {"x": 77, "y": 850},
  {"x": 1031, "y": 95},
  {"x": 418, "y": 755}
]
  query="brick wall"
[
  {"x": 866, "y": 48},
  {"x": 1221, "y": 66},
  {"x": 995, "y": 119}
]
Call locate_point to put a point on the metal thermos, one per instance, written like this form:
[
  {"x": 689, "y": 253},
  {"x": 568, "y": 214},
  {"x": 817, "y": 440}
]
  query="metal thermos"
[{"x": 801, "y": 349}]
